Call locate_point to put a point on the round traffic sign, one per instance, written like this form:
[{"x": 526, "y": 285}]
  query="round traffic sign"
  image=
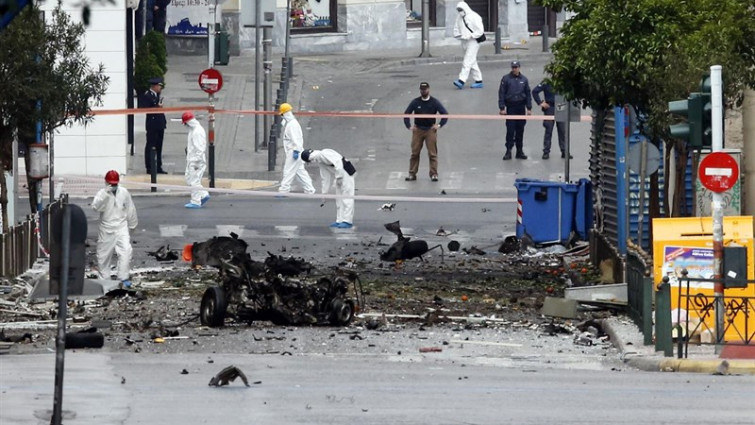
[
  {"x": 718, "y": 172},
  {"x": 210, "y": 80}
]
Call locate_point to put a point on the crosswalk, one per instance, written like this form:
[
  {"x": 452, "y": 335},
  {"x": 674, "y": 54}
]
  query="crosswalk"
[{"x": 455, "y": 180}]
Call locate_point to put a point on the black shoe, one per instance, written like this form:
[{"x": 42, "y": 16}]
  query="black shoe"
[
  {"x": 563, "y": 155},
  {"x": 434, "y": 178},
  {"x": 411, "y": 178},
  {"x": 507, "y": 156},
  {"x": 520, "y": 155},
  {"x": 546, "y": 155},
  {"x": 162, "y": 172}
]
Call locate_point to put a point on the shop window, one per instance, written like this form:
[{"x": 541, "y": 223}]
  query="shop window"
[
  {"x": 313, "y": 16},
  {"x": 414, "y": 13}
]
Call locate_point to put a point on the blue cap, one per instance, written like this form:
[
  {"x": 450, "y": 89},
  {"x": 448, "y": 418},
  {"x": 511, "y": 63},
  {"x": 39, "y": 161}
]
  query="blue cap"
[{"x": 156, "y": 80}]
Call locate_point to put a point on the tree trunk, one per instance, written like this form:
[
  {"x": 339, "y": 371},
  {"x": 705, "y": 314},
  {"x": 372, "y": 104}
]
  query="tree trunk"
[{"x": 31, "y": 183}]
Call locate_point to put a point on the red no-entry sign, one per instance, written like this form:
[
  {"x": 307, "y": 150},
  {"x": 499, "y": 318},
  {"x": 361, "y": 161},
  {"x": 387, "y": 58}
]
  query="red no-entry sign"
[
  {"x": 718, "y": 172},
  {"x": 210, "y": 81}
]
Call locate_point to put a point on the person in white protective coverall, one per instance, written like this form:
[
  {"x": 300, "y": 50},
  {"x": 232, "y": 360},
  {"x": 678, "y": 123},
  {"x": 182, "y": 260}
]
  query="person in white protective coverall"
[
  {"x": 469, "y": 29},
  {"x": 293, "y": 145},
  {"x": 332, "y": 168},
  {"x": 196, "y": 145},
  {"x": 117, "y": 217}
]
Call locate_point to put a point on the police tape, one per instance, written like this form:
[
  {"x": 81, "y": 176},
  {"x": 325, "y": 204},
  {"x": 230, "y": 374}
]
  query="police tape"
[
  {"x": 330, "y": 114},
  {"x": 275, "y": 194}
]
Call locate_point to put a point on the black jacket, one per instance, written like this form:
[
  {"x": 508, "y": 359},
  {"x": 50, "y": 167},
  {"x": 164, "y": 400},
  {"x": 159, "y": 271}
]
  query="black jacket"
[
  {"x": 514, "y": 91},
  {"x": 154, "y": 122}
]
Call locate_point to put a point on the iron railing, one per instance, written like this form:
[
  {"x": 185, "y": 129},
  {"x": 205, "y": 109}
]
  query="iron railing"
[
  {"x": 25, "y": 243},
  {"x": 640, "y": 295},
  {"x": 737, "y": 313}
]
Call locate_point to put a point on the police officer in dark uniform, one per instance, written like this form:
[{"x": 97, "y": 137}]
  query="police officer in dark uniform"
[
  {"x": 548, "y": 104},
  {"x": 514, "y": 99},
  {"x": 159, "y": 14},
  {"x": 154, "y": 124}
]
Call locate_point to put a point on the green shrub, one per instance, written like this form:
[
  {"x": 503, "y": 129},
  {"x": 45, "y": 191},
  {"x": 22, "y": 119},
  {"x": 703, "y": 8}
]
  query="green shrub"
[
  {"x": 145, "y": 67},
  {"x": 155, "y": 43}
]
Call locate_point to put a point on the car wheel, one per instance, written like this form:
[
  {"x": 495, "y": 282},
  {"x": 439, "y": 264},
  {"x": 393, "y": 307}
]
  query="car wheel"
[
  {"x": 213, "y": 307},
  {"x": 341, "y": 312}
]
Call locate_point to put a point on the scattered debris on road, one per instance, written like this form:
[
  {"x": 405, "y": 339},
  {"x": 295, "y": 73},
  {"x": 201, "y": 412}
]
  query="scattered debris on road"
[{"x": 228, "y": 375}]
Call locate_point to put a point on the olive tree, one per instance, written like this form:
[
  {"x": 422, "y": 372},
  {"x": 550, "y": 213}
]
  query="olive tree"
[{"x": 46, "y": 81}]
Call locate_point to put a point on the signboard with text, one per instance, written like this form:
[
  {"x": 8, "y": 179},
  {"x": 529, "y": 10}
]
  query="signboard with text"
[{"x": 190, "y": 17}]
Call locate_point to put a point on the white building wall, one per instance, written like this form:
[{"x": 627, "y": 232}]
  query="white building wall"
[{"x": 102, "y": 145}]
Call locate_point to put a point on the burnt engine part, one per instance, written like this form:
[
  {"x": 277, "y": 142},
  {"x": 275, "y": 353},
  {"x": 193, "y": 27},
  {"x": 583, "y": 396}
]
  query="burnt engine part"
[
  {"x": 405, "y": 248},
  {"x": 212, "y": 251},
  {"x": 228, "y": 375}
]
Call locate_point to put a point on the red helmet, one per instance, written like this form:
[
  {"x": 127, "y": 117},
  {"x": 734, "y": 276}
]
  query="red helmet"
[
  {"x": 187, "y": 116},
  {"x": 112, "y": 177}
]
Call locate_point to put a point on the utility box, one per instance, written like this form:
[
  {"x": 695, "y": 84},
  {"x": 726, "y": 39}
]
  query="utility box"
[
  {"x": 687, "y": 243},
  {"x": 735, "y": 267}
]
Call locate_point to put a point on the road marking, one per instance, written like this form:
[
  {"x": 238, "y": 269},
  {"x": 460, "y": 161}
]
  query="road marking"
[
  {"x": 396, "y": 181},
  {"x": 452, "y": 180},
  {"x": 175, "y": 231},
  {"x": 504, "y": 182},
  {"x": 288, "y": 231},
  {"x": 226, "y": 229}
]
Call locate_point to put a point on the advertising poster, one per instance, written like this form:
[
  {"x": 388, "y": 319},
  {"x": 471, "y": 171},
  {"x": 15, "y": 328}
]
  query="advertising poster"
[
  {"x": 698, "y": 262},
  {"x": 190, "y": 17}
]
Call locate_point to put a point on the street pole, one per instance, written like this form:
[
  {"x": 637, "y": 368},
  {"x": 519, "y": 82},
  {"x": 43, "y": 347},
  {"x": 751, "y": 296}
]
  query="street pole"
[
  {"x": 717, "y": 144},
  {"x": 257, "y": 43},
  {"x": 567, "y": 141},
  {"x": 545, "y": 31},
  {"x": 211, "y": 38},
  {"x": 268, "y": 84},
  {"x": 60, "y": 340},
  {"x": 211, "y": 138},
  {"x": 425, "y": 29}
]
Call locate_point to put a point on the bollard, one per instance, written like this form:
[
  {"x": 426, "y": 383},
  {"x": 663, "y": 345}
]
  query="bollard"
[
  {"x": 497, "y": 42},
  {"x": 153, "y": 169},
  {"x": 212, "y": 165},
  {"x": 663, "y": 341}
]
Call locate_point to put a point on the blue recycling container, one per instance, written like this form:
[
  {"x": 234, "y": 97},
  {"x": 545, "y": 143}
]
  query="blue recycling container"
[{"x": 546, "y": 210}]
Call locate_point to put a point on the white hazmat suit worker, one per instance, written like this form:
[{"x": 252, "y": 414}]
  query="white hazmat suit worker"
[
  {"x": 470, "y": 30},
  {"x": 293, "y": 145},
  {"x": 196, "y": 164},
  {"x": 117, "y": 217},
  {"x": 332, "y": 170}
]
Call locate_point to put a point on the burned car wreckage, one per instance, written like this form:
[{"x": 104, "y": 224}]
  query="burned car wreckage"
[{"x": 285, "y": 291}]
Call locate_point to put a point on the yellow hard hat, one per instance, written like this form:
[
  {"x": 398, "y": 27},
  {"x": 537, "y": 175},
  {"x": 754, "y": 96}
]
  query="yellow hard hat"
[{"x": 285, "y": 107}]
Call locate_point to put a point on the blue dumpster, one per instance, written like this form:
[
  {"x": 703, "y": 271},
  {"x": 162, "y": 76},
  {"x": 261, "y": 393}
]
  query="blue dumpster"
[{"x": 546, "y": 210}]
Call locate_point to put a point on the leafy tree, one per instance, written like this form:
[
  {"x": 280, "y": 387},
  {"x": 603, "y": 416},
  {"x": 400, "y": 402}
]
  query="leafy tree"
[
  {"x": 45, "y": 78},
  {"x": 647, "y": 52},
  {"x": 155, "y": 43}
]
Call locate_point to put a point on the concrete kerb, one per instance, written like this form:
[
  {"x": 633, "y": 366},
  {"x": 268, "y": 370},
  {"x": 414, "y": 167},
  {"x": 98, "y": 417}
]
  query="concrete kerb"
[{"x": 644, "y": 358}]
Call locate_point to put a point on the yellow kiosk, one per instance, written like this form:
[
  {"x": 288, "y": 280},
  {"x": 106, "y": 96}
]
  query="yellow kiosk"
[{"x": 687, "y": 243}]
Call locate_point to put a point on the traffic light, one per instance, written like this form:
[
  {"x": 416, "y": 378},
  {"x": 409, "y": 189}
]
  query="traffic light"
[{"x": 697, "y": 108}]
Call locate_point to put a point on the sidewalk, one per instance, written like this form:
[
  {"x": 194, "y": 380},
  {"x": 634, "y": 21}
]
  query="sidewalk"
[{"x": 237, "y": 164}]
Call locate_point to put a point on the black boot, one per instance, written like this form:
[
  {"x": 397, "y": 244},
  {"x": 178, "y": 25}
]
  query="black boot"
[
  {"x": 520, "y": 155},
  {"x": 507, "y": 156}
]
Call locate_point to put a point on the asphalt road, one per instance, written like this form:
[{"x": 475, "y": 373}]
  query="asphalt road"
[{"x": 346, "y": 389}]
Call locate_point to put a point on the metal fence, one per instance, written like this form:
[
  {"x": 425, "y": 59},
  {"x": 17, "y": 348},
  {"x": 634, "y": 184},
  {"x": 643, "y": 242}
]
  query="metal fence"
[
  {"x": 640, "y": 295},
  {"x": 20, "y": 247}
]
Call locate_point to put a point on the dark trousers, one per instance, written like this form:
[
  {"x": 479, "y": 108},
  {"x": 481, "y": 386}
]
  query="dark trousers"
[
  {"x": 154, "y": 139},
  {"x": 561, "y": 129},
  {"x": 159, "y": 21},
  {"x": 515, "y": 128}
]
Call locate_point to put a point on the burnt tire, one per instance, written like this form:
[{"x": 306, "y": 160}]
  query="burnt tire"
[
  {"x": 213, "y": 307},
  {"x": 341, "y": 312}
]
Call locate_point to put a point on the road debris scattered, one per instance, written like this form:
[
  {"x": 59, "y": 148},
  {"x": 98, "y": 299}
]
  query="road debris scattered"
[{"x": 228, "y": 375}]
